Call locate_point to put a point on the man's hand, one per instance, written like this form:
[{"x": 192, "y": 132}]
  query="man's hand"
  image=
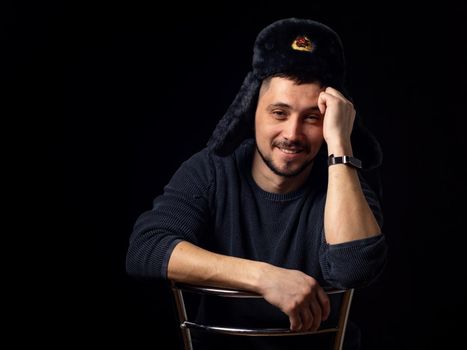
[
  {"x": 339, "y": 116},
  {"x": 298, "y": 295}
]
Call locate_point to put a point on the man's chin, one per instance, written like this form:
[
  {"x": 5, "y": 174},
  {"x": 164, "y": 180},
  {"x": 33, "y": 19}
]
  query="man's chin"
[
  {"x": 284, "y": 165},
  {"x": 290, "y": 170}
]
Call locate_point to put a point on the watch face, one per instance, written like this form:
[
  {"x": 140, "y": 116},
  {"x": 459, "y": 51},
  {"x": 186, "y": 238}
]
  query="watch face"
[{"x": 345, "y": 160}]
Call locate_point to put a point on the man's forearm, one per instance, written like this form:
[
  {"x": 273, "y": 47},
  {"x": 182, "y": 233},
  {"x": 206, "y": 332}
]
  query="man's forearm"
[
  {"x": 347, "y": 215},
  {"x": 295, "y": 293},
  {"x": 190, "y": 264}
]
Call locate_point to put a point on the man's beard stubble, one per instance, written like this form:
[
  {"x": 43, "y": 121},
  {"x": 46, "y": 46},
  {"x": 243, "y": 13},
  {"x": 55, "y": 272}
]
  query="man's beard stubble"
[{"x": 275, "y": 170}]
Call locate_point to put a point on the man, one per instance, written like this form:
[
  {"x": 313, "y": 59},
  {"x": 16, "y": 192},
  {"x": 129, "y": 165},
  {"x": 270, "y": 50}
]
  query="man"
[{"x": 275, "y": 203}]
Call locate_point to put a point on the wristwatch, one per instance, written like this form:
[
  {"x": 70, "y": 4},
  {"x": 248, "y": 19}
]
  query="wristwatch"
[{"x": 352, "y": 161}]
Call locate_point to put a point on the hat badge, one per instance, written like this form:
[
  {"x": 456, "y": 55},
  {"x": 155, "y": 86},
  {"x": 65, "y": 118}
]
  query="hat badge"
[{"x": 302, "y": 43}]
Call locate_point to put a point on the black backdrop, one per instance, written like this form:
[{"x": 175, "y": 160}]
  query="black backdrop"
[{"x": 121, "y": 94}]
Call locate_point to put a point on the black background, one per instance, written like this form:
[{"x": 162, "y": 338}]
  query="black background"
[{"x": 110, "y": 98}]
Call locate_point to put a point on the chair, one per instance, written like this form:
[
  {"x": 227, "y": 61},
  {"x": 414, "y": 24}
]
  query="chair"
[{"x": 187, "y": 326}]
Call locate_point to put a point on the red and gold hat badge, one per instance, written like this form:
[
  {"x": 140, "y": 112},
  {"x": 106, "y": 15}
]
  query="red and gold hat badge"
[{"x": 302, "y": 43}]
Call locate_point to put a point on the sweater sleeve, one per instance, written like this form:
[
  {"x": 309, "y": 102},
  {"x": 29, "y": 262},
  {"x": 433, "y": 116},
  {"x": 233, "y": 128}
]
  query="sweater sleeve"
[
  {"x": 356, "y": 263},
  {"x": 180, "y": 213}
]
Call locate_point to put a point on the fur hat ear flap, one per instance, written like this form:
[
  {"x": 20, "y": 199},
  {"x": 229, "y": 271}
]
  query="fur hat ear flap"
[{"x": 237, "y": 124}]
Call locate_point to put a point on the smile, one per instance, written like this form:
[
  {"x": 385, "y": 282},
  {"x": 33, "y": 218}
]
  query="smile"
[{"x": 291, "y": 151}]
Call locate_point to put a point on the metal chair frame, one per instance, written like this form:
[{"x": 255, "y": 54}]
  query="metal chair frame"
[{"x": 187, "y": 325}]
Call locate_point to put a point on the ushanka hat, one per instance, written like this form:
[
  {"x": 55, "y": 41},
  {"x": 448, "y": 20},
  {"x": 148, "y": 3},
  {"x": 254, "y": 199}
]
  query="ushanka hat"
[{"x": 299, "y": 47}]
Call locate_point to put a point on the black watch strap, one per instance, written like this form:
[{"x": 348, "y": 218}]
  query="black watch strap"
[{"x": 356, "y": 163}]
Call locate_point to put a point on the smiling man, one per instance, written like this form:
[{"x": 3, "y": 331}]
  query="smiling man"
[
  {"x": 275, "y": 203},
  {"x": 288, "y": 133}
]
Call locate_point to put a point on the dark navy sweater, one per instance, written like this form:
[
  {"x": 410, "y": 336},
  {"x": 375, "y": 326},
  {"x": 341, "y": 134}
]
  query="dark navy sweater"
[{"x": 214, "y": 202}]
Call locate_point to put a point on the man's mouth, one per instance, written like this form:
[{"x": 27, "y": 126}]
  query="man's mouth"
[
  {"x": 291, "y": 150},
  {"x": 290, "y": 147}
]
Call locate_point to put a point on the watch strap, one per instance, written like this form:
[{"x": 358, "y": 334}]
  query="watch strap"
[{"x": 332, "y": 160}]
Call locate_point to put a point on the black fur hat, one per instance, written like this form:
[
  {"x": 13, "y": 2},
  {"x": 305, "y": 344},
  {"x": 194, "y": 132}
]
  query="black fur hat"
[{"x": 291, "y": 46}]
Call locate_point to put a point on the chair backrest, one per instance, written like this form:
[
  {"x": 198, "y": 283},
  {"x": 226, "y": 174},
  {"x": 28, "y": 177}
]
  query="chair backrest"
[{"x": 187, "y": 326}]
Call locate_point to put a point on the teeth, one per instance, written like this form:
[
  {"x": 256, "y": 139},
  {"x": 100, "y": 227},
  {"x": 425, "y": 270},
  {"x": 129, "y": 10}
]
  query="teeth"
[{"x": 290, "y": 151}]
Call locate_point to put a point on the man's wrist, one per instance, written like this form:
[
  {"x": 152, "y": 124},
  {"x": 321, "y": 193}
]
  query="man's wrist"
[
  {"x": 339, "y": 148},
  {"x": 344, "y": 159}
]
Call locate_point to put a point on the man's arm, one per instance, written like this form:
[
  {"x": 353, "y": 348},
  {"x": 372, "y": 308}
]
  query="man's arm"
[
  {"x": 347, "y": 215},
  {"x": 298, "y": 295}
]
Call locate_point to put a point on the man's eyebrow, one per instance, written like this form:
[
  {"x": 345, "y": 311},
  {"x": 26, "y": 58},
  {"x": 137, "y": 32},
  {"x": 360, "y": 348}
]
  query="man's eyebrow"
[
  {"x": 287, "y": 106},
  {"x": 279, "y": 104}
]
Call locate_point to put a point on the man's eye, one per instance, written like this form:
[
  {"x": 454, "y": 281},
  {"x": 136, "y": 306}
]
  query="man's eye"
[
  {"x": 312, "y": 118},
  {"x": 279, "y": 114}
]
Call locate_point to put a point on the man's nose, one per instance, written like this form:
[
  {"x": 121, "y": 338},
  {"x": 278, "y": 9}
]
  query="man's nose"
[{"x": 292, "y": 129}]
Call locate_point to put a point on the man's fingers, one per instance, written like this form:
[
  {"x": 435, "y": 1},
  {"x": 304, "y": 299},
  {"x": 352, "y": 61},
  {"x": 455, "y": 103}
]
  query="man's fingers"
[
  {"x": 322, "y": 102},
  {"x": 323, "y": 299},
  {"x": 307, "y": 319},
  {"x": 334, "y": 92},
  {"x": 317, "y": 314},
  {"x": 327, "y": 97},
  {"x": 295, "y": 322}
]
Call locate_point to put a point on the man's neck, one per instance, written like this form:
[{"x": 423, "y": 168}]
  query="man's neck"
[{"x": 268, "y": 181}]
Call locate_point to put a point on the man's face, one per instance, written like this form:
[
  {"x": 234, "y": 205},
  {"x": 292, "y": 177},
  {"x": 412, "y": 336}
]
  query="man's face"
[{"x": 288, "y": 126}]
